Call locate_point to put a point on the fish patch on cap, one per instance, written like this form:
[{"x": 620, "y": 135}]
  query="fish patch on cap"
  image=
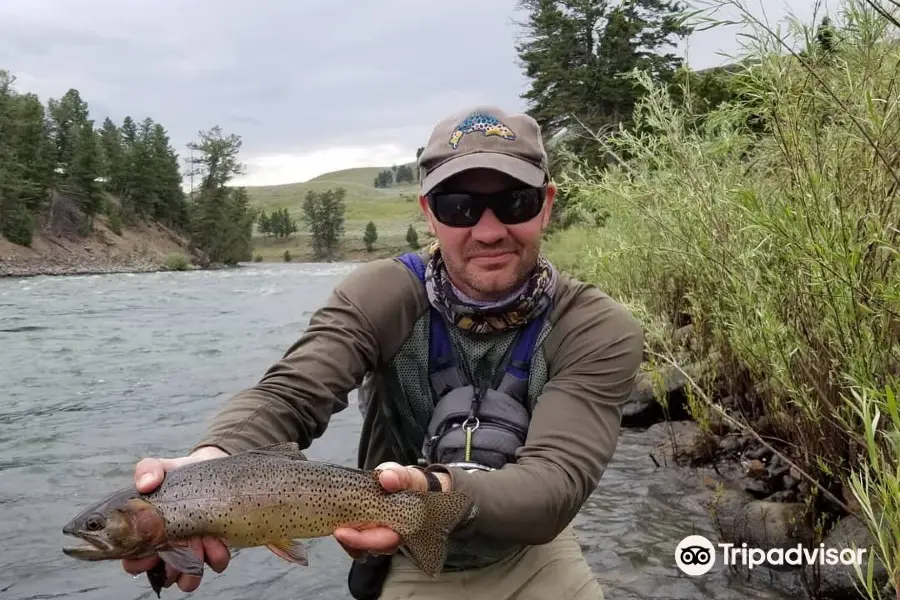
[{"x": 480, "y": 122}]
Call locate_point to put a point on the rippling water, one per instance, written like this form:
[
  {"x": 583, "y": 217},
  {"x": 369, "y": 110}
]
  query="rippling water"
[{"x": 100, "y": 371}]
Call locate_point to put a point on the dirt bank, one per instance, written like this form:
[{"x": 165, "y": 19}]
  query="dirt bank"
[{"x": 59, "y": 251}]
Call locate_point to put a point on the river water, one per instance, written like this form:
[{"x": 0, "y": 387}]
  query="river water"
[{"x": 99, "y": 371}]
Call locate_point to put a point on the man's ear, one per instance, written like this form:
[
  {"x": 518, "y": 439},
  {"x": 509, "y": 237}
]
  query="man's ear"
[
  {"x": 426, "y": 210},
  {"x": 548, "y": 205}
]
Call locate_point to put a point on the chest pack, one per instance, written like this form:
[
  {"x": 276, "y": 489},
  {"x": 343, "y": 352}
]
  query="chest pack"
[{"x": 476, "y": 424}]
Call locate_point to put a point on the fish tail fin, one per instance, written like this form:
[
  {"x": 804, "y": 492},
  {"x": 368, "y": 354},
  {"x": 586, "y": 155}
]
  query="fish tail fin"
[{"x": 427, "y": 545}]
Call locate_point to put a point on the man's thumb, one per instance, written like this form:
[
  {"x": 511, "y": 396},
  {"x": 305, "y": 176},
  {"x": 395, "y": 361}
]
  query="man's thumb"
[{"x": 149, "y": 472}]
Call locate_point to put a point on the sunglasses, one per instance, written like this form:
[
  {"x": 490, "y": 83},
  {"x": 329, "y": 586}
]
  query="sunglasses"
[{"x": 463, "y": 209}]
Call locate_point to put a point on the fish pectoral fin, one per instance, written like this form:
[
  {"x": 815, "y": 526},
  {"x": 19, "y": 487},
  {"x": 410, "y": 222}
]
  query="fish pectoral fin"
[
  {"x": 183, "y": 559},
  {"x": 289, "y": 449},
  {"x": 290, "y": 550},
  {"x": 157, "y": 577}
]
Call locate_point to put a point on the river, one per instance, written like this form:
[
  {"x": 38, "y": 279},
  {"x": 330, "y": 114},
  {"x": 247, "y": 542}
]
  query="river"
[{"x": 99, "y": 371}]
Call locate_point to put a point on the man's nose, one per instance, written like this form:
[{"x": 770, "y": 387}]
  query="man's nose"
[{"x": 488, "y": 229}]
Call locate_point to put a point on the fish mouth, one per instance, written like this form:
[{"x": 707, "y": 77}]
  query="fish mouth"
[{"x": 93, "y": 548}]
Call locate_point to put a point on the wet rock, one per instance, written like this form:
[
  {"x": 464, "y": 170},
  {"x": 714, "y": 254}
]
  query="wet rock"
[
  {"x": 758, "y": 453},
  {"x": 684, "y": 443},
  {"x": 778, "y": 472},
  {"x": 767, "y": 525},
  {"x": 730, "y": 444},
  {"x": 760, "y": 488},
  {"x": 784, "y": 496},
  {"x": 724, "y": 502},
  {"x": 642, "y": 407},
  {"x": 839, "y": 582},
  {"x": 756, "y": 469}
]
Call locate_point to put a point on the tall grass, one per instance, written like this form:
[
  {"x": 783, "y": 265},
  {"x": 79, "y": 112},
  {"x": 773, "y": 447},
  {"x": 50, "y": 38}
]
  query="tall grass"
[{"x": 771, "y": 225}]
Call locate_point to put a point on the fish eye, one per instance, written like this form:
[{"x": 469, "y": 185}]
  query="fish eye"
[{"x": 95, "y": 523}]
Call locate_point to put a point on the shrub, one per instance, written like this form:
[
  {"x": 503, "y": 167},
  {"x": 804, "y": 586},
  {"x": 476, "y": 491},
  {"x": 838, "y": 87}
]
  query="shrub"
[
  {"x": 176, "y": 262},
  {"x": 772, "y": 225}
]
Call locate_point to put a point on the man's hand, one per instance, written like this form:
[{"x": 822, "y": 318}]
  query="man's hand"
[
  {"x": 383, "y": 540},
  {"x": 148, "y": 474}
]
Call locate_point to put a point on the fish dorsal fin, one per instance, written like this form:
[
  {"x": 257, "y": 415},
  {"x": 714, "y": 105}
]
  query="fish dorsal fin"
[{"x": 288, "y": 449}]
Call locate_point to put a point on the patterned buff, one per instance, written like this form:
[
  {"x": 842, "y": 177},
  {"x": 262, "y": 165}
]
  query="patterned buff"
[{"x": 535, "y": 296}]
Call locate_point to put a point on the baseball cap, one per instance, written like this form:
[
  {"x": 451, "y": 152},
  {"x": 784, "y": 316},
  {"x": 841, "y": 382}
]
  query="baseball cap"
[{"x": 484, "y": 137}]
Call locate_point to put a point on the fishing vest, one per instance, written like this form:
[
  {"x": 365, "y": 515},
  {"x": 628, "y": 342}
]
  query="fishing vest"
[{"x": 463, "y": 400}]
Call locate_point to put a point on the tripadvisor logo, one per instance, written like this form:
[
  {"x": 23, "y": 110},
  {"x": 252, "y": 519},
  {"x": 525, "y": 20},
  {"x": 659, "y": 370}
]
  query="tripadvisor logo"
[{"x": 695, "y": 555}]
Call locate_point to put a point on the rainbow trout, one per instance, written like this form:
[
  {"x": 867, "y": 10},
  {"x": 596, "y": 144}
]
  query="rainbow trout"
[{"x": 270, "y": 496}]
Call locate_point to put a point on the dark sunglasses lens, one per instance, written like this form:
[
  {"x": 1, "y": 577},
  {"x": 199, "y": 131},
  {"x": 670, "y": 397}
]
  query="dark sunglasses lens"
[
  {"x": 464, "y": 210},
  {"x": 519, "y": 206},
  {"x": 457, "y": 210}
]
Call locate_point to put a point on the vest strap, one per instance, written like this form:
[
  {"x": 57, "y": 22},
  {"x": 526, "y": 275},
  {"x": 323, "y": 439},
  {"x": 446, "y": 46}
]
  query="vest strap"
[{"x": 444, "y": 372}]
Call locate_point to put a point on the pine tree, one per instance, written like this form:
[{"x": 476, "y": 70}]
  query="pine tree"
[
  {"x": 578, "y": 52},
  {"x": 370, "y": 236}
]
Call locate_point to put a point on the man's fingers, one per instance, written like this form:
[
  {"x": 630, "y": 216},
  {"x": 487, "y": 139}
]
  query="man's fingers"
[
  {"x": 172, "y": 575},
  {"x": 148, "y": 474},
  {"x": 137, "y": 566},
  {"x": 188, "y": 583},
  {"x": 393, "y": 480},
  {"x": 217, "y": 554},
  {"x": 395, "y": 477},
  {"x": 354, "y": 554},
  {"x": 381, "y": 540}
]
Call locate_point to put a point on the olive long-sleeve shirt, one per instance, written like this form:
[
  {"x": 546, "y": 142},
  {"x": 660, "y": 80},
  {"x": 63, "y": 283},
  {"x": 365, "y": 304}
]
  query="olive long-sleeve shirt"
[{"x": 592, "y": 352}]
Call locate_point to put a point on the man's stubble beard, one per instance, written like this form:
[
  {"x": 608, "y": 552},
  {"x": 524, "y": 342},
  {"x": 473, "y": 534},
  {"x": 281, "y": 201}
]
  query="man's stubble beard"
[{"x": 526, "y": 262}]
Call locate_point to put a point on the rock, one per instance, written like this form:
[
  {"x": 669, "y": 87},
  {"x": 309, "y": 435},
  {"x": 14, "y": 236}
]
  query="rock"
[
  {"x": 838, "y": 581},
  {"x": 684, "y": 443},
  {"x": 850, "y": 500},
  {"x": 760, "y": 488},
  {"x": 730, "y": 444},
  {"x": 762, "y": 425},
  {"x": 756, "y": 469},
  {"x": 767, "y": 525},
  {"x": 783, "y": 496},
  {"x": 683, "y": 335},
  {"x": 778, "y": 472},
  {"x": 725, "y": 502},
  {"x": 642, "y": 408},
  {"x": 758, "y": 453},
  {"x": 788, "y": 482}
]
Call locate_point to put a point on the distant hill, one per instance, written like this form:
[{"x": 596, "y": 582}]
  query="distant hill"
[{"x": 392, "y": 209}]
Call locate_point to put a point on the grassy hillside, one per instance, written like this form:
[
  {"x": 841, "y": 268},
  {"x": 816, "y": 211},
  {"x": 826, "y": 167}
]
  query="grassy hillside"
[{"x": 391, "y": 209}]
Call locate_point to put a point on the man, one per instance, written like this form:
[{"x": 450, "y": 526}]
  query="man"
[{"x": 487, "y": 196}]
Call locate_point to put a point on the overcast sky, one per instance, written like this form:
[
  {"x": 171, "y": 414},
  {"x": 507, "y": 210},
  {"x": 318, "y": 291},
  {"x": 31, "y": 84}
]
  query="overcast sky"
[{"x": 310, "y": 86}]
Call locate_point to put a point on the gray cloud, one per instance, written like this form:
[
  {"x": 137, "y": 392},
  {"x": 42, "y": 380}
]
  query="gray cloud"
[{"x": 290, "y": 76}]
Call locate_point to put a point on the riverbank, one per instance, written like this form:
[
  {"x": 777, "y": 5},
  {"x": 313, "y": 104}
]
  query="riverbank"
[
  {"x": 141, "y": 248},
  {"x": 747, "y": 478},
  {"x": 761, "y": 256}
]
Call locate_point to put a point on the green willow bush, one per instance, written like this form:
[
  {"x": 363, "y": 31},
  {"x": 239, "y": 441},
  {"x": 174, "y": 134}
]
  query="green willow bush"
[{"x": 771, "y": 224}]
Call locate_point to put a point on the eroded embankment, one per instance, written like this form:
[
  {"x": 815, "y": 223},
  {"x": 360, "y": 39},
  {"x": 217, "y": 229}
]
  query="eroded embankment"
[{"x": 756, "y": 494}]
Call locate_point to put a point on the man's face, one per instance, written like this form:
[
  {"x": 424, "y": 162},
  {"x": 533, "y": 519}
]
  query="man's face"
[{"x": 490, "y": 259}]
